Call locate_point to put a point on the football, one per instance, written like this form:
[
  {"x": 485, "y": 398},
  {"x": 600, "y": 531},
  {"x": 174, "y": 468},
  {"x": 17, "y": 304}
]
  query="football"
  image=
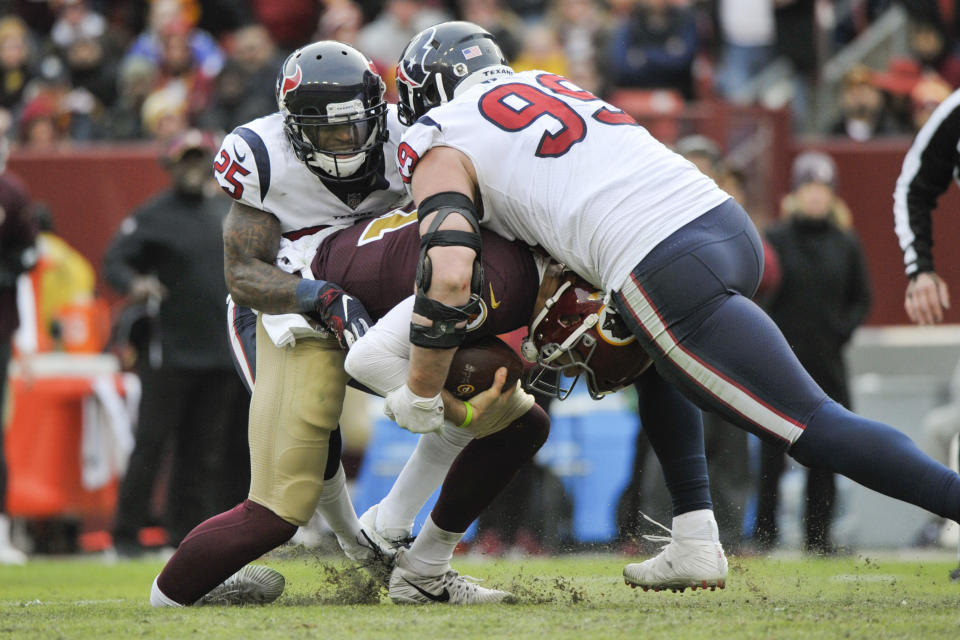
[{"x": 474, "y": 366}]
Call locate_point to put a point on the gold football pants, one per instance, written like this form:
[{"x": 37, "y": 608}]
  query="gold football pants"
[{"x": 296, "y": 404}]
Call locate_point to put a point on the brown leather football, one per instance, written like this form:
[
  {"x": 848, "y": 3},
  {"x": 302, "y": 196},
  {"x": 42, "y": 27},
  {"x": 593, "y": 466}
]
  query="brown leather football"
[{"x": 474, "y": 366}]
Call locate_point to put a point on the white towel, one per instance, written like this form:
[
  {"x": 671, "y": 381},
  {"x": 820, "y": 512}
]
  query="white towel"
[
  {"x": 295, "y": 256},
  {"x": 107, "y": 438}
]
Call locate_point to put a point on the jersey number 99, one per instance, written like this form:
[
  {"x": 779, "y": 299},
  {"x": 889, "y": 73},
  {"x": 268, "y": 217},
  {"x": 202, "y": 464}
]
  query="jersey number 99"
[{"x": 516, "y": 106}]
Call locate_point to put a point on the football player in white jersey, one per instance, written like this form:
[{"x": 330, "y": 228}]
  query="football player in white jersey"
[
  {"x": 318, "y": 163},
  {"x": 297, "y": 177},
  {"x": 534, "y": 157}
]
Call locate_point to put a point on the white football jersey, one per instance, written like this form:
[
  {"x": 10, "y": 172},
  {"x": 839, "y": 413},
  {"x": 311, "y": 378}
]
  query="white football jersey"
[
  {"x": 256, "y": 165},
  {"x": 560, "y": 168}
]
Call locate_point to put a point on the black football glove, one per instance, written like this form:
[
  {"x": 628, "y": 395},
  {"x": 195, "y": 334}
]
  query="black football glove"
[{"x": 340, "y": 312}]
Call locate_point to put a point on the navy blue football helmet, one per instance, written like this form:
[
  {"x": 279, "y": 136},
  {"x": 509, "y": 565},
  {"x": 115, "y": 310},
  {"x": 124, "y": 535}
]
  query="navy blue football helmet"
[
  {"x": 442, "y": 59},
  {"x": 334, "y": 111}
]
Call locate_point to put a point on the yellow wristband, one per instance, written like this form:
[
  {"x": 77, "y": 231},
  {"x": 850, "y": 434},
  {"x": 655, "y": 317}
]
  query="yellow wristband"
[{"x": 467, "y": 420}]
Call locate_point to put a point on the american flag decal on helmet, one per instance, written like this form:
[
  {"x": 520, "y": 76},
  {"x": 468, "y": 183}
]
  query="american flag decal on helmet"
[{"x": 471, "y": 52}]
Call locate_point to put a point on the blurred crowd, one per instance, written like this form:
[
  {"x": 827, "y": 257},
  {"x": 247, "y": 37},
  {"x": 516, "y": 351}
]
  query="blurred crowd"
[{"x": 81, "y": 70}]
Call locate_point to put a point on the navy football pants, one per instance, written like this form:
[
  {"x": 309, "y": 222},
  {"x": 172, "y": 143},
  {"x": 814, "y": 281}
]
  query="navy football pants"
[{"x": 688, "y": 302}]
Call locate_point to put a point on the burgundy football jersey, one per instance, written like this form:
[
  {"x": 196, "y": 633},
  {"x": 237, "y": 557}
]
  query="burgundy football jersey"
[{"x": 376, "y": 261}]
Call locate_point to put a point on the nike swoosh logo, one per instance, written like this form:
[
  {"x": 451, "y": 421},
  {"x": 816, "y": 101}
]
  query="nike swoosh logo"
[
  {"x": 443, "y": 596},
  {"x": 493, "y": 301},
  {"x": 240, "y": 158}
]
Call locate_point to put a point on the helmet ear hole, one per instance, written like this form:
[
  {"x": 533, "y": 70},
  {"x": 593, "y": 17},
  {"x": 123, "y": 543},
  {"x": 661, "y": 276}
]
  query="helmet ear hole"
[{"x": 431, "y": 94}]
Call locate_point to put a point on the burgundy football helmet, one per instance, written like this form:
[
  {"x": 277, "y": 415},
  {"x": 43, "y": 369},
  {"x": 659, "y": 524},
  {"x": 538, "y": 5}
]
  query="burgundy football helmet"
[{"x": 577, "y": 331}]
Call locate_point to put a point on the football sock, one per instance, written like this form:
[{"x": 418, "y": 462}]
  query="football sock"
[
  {"x": 420, "y": 477},
  {"x": 696, "y": 525},
  {"x": 217, "y": 548},
  {"x": 879, "y": 457},
  {"x": 675, "y": 430},
  {"x": 157, "y": 599},
  {"x": 431, "y": 552},
  {"x": 336, "y": 508},
  {"x": 495, "y": 459}
]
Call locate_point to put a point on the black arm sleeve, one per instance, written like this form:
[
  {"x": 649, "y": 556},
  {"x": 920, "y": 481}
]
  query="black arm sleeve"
[{"x": 927, "y": 170}]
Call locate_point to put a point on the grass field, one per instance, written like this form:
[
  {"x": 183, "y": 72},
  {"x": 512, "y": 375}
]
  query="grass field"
[{"x": 565, "y": 597}]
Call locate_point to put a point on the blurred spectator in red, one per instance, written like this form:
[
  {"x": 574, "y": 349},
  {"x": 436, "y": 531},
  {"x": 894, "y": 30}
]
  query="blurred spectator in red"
[
  {"x": 582, "y": 26},
  {"x": 863, "y": 109},
  {"x": 290, "y": 22},
  {"x": 897, "y": 81},
  {"x": 245, "y": 88},
  {"x": 178, "y": 16},
  {"x": 541, "y": 50},
  {"x": 16, "y": 66},
  {"x": 931, "y": 47},
  {"x": 926, "y": 96},
  {"x": 385, "y": 37},
  {"x": 136, "y": 79},
  {"x": 41, "y": 124},
  {"x": 505, "y": 26},
  {"x": 747, "y": 33},
  {"x": 654, "y": 48}
]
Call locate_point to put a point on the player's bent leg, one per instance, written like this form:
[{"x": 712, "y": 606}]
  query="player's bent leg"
[
  {"x": 728, "y": 356},
  {"x": 392, "y": 519},
  {"x": 879, "y": 457},
  {"x": 217, "y": 549},
  {"x": 423, "y": 574},
  {"x": 692, "y": 556},
  {"x": 295, "y": 406},
  {"x": 359, "y": 545}
]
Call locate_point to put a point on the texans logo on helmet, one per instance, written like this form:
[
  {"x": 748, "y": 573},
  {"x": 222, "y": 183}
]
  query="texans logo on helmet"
[
  {"x": 408, "y": 74},
  {"x": 290, "y": 83}
]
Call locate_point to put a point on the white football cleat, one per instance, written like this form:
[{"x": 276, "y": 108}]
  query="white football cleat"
[
  {"x": 682, "y": 562},
  {"x": 409, "y": 587},
  {"x": 390, "y": 539},
  {"x": 373, "y": 554},
  {"x": 253, "y": 584}
]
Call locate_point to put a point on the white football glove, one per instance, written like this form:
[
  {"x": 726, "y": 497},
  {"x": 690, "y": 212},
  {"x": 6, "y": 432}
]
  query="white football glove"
[{"x": 413, "y": 413}]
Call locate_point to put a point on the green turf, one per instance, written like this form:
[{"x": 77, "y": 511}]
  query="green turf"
[{"x": 567, "y": 597}]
